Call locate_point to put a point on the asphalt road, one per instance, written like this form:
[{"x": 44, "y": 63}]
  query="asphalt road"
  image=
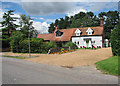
[{"x": 16, "y": 71}]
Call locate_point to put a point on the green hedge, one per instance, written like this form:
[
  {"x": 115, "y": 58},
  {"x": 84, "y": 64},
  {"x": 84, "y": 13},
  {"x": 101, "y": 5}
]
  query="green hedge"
[
  {"x": 115, "y": 41},
  {"x": 71, "y": 44},
  {"x": 37, "y": 45},
  {"x": 5, "y": 42}
]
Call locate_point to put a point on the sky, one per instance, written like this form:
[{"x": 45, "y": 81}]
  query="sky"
[{"x": 44, "y": 13}]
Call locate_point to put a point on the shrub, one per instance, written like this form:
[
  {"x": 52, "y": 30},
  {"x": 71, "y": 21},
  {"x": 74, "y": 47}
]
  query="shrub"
[
  {"x": 36, "y": 46},
  {"x": 16, "y": 37},
  {"x": 115, "y": 41},
  {"x": 62, "y": 49},
  {"x": 51, "y": 44},
  {"x": 5, "y": 42},
  {"x": 71, "y": 44}
]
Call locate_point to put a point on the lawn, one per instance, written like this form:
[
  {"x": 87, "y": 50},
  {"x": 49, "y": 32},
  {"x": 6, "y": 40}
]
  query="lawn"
[{"x": 109, "y": 66}]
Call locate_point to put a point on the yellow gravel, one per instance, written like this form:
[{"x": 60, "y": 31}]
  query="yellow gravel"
[{"x": 72, "y": 59}]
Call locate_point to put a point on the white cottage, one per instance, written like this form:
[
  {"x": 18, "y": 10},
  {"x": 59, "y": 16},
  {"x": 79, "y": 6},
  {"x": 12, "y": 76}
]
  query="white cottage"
[
  {"x": 88, "y": 36},
  {"x": 82, "y": 37}
]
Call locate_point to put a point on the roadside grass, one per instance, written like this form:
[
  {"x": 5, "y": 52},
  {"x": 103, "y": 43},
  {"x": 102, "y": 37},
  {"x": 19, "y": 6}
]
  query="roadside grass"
[
  {"x": 109, "y": 66},
  {"x": 17, "y": 57}
]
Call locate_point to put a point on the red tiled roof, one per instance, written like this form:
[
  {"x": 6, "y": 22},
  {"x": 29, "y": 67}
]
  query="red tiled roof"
[
  {"x": 97, "y": 31},
  {"x": 45, "y": 36},
  {"x": 68, "y": 33}
]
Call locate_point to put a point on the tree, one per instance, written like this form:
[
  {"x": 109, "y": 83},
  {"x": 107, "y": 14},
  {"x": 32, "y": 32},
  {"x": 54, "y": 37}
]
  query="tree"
[
  {"x": 8, "y": 23},
  {"x": 112, "y": 19},
  {"x": 16, "y": 38},
  {"x": 51, "y": 28},
  {"x": 26, "y": 26},
  {"x": 115, "y": 40},
  {"x": 8, "y": 27}
]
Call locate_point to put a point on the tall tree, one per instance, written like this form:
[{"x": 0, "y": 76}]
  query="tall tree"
[
  {"x": 27, "y": 25},
  {"x": 8, "y": 26},
  {"x": 8, "y": 23},
  {"x": 51, "y": 28}
]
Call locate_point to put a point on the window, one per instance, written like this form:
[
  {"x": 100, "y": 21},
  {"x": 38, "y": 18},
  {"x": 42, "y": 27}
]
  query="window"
[
  {"x": 77, "y": 34},
  {"x": 89, "y": 33},
  {"x": 78, "y": 42},
  {"x": 59, "y": 33}
]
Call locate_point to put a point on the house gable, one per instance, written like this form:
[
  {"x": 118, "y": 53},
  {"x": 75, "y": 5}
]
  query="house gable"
[
  {"x": 89, "y": 31},
  {"x": 77, "y": 32}
]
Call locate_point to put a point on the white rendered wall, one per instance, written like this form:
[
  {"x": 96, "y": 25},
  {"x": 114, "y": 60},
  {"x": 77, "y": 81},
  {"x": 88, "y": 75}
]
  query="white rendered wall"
[{"x": 97, "y": 39}]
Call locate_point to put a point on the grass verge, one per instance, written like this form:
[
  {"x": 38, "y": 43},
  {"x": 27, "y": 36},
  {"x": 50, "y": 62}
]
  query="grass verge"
[
  {"x": 17, "y": 57},
  {"x": 109, "y": 66}
]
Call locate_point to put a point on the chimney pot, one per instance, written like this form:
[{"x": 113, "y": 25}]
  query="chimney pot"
[{"x": 101, "y": 21}]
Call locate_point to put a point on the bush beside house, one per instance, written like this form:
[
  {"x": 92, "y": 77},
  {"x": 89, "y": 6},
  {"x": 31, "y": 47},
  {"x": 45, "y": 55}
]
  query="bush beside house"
[
  {"x": 71, "y": 44},
  {"x": 19, "y": 44},
  {"x": 115, "y": 41}
]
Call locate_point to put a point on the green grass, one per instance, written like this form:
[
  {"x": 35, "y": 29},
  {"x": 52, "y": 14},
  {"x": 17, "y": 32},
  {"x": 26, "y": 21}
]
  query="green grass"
[
  {"x": 109, "y": 66},
  {"x": 17, "y": 57}
]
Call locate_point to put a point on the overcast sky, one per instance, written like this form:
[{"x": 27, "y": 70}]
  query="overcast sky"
[{"x": 45, "y": 13}]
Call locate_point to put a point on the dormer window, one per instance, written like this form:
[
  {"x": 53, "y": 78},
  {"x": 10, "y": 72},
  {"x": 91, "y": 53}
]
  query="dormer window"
[
  {"x": 77, "y": 32},
  {"x": 59, "y": 33},
  {"x": 89, "y": 31}
]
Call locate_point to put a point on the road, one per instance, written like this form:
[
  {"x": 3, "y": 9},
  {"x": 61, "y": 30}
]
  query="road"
[{"x": 17, "y": 71}]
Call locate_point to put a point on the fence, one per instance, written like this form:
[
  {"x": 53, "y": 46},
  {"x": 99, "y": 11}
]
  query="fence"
[{"x": 58, "y": 49}]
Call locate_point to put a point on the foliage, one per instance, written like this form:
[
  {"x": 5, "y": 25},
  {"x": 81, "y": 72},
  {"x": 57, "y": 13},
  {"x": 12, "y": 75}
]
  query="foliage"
[
  {"x": 71, "y": 44},
  {"x": 27, "y": 26},
  {"x": 36, "y": 46},
  {"x": 8, "y": 22},
  {"x": 51, "y": 44},
  {"x": 8, "y": 26},
  {"x": 16, "y": 38},
  {"x": 109, "y": 65},
  {"x": 88, "y": 19},
  {"x": 115, "y": 41},
  {"x": 5, "y": 43},
  {"x": 62, "y": 49}
]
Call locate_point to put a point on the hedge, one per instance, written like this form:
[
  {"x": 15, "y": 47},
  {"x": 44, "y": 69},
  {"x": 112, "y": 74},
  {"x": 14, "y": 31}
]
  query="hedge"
[
  {"x": 71, "y": 44},
  {"x": 37, "y": 45},
  {"x": 115, "y": 41}
]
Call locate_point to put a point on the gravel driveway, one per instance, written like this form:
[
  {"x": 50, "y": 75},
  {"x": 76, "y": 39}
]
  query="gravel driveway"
[{"x": 73, "y": 59}]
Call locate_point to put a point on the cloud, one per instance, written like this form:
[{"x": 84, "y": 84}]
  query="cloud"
[
  {"x": 75, "y": 11},
  {"x": 1, "y": 15},
  {"x": 70, "y": 0},
  {"x": 46, "y": 8},
  {"x": 97, "y": 6},
  {"x": 41, "y": 27},
  {"x": 41, "y": 18}
]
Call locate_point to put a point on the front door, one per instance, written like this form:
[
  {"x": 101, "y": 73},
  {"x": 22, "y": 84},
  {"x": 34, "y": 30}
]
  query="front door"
[{"x": 87, "y": 43}]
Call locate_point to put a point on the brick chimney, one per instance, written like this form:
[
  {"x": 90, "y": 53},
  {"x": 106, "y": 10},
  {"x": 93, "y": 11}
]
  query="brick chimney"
[
  {"x": 101, "y": 21},
  {"x": 56, "y": 28}
]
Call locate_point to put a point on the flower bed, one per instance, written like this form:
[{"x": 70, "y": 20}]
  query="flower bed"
[{"x": 65, "y": 51}]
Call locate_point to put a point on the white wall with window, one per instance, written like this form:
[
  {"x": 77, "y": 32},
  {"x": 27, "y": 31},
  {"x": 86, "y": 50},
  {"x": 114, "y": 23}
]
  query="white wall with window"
[{"x": 95, "y": 40}]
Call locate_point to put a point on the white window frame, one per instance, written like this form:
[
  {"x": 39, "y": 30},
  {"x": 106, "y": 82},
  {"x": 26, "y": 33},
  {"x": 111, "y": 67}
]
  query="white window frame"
[
  {"x": 77, "y": 32},
  {"x": 89, "y": 31}
]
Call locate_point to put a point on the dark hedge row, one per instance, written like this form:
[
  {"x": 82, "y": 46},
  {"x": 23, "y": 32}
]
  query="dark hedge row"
[
  {"x": 115, "y": 41},
  {"x": 19, "y": 44},
  {"x": 36, "y": 46}
]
